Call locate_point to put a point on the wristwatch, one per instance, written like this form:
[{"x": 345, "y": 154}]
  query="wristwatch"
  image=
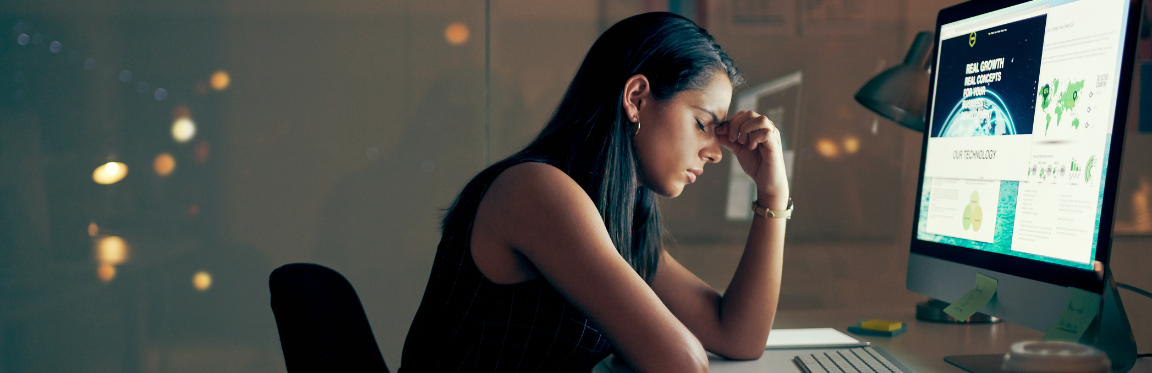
[{"x": 762, "y": 211}]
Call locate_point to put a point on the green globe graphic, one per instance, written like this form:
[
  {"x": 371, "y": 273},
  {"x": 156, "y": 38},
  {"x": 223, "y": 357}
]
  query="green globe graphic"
[{"x": 981, "y": 116}]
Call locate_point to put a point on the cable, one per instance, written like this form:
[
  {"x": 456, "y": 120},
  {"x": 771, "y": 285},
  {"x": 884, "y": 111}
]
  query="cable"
[
  {"x": 1143, "y": 355},
  {"x": 1134, "y": 289}
]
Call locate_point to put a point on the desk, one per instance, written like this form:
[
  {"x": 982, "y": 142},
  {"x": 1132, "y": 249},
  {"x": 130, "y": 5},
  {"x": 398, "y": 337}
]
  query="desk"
[{"x": 922, "y": 348}]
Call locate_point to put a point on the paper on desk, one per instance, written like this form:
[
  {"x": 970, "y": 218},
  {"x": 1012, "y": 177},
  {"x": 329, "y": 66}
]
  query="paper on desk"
[
  {"x": 976, "y": 299},
  {"x": 810, "y": 337},
  {"x": 1077, "y": 315}
]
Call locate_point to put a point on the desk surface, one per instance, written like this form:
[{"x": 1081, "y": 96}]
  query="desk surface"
[{"x": 922, "y": 348}]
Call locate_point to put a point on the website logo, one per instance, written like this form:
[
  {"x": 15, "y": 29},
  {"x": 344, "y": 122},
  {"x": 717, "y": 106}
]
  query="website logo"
[{"x": 972, "y": 39}]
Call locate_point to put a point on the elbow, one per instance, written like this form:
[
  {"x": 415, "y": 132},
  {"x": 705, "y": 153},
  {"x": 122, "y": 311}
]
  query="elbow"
[
  {"x": 700, "y": 360},
  {"x": 696, "y": 360},
  {"x": 693, "y": 362},
  {"x": 750, "y": 352},
  {"x": 748, "y": 349},
  {"x": 691, "y": 358}
]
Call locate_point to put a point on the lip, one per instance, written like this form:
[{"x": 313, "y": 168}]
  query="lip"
[{"x": 692, "y": 174}]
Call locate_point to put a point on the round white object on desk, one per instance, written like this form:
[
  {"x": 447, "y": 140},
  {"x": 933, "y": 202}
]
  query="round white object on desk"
[{"x": 1062, "y": 357}]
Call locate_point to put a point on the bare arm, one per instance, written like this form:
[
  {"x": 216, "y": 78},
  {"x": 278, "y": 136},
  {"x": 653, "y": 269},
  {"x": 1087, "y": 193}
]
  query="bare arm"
[
  {"x": 543, "y": 215},
  {"x": 736, "y": 325}
]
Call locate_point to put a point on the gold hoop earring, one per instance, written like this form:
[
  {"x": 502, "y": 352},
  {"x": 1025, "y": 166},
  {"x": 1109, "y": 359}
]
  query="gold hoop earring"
[{"x": 636, "y": 127}]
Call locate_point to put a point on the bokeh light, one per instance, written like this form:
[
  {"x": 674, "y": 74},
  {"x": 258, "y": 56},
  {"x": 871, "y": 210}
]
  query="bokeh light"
[
  {"x": 160, "y": 94},
  {"x": 851, "y": 144},
  {"x": 456, "y": 33},
  {"x": 106, "y": 272},
  {"x": 93, "y": 229},
  {"x": 827, "y": 148},
  {"x": 200, "y": 152},
  {"x": 109, "y": 173},
  {"x": 220, "y": 80},
  {"x": 55, "y": 47},
  {"x": 164, "y": 164},
  {"x": 183, "y": 130},
  {"x": 125, "y": 76},
  {"x": 22, "y": 39},
  {"x": 201, "y": 87},
  {"x": 181, "y": 111},
  {"x": 111, "y": 250},
  {"x": 202, "y": 281}
]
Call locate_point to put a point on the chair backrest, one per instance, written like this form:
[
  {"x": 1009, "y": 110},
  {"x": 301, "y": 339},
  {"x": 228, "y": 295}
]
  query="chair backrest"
[{"x": 321, "y": 321}]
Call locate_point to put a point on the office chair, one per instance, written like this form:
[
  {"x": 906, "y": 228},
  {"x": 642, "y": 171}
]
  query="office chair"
[{"x": 321, "y": 321}]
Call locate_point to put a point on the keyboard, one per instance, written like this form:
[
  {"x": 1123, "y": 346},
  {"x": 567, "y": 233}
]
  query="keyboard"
[{"x": 850, "y": 360}]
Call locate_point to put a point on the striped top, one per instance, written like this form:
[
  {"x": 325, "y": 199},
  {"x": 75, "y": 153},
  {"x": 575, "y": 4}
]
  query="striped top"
[{"x": 468, "y": 323}]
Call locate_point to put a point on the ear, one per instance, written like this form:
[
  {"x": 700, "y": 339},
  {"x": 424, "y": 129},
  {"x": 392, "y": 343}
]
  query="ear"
[{"x": 637, "y": 94}]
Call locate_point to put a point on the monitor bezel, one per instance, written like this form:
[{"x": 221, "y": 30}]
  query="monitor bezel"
[{"x": 1040, "y": 271}]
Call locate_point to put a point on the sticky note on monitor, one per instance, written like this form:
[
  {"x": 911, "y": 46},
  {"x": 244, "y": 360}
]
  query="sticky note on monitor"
[
  {"x": 974, "y": 300},
  {"x": 1076, "y": 317}
]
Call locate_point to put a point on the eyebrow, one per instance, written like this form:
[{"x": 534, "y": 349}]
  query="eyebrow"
[{"x": 714, "y": 118}]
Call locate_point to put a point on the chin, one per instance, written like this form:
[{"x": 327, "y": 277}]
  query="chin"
[{"x": 670, "y": 191}]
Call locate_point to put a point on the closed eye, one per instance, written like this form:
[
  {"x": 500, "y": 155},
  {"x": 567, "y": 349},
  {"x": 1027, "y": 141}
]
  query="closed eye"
[{"x": 701, "y": 125}]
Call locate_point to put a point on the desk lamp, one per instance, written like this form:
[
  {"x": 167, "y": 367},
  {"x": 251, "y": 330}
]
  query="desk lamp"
[{"x": 901, "y": 95}]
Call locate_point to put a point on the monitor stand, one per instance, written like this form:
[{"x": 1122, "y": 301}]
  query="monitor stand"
[{"x": 1110, "y": 332}]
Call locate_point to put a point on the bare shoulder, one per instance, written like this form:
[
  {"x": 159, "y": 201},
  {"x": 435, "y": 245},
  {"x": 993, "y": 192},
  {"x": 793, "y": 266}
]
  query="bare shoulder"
[
  {"x": 534, "y": 175},
  {"x": 536, "y": 203},
  {"x": 523, "y": 210},
  {"x": 534, "y": 184}
]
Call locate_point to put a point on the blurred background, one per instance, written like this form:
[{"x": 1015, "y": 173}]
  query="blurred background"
[{"x": 159, "y": 159}]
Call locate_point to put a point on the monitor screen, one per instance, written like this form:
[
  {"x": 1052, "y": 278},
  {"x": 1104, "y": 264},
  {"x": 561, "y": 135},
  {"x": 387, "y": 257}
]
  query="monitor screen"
[{"x": 1020, "y": 127}]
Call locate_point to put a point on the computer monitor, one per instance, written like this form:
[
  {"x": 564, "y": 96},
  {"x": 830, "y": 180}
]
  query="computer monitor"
[{"x": 1024, "y": 127}]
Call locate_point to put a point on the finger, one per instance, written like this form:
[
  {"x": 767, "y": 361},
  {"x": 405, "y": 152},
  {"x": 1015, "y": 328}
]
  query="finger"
[
  {"x": 730, "y": 127},
  {"x": 758, "y": 124},
  {"x": 736, "y": 123},
  {"x": 768, "y": 135},
  {"x": 752, "y": 121},
  {"x": 731, "y": 146},
  {"x": 759, "y": 137}
]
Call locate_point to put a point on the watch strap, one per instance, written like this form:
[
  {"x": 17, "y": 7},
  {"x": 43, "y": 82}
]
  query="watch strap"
[{"x": 765, "y": 212}]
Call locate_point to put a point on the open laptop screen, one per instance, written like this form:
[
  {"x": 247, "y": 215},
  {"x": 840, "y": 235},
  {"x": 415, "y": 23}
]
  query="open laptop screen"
[{"x": 1024, "y": 100}]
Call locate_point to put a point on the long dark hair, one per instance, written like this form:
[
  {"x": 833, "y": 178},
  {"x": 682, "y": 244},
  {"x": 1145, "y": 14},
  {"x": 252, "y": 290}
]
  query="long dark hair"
[{"x": 588, "y": 136}]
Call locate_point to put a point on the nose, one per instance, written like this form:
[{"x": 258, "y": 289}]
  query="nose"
[{"x": 711, "y": 152}]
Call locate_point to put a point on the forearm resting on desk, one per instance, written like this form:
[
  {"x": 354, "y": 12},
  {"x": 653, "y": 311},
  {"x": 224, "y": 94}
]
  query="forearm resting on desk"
[
  {"x": 734, "y": 325},
  {"x": 748, "y": 306}
]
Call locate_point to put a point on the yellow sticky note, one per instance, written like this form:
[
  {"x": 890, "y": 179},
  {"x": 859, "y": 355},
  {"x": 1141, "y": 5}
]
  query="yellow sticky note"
[
  {"x": 881, "y": 325},
  {"x": 976, "y": 299},
  {"x": 1077, "y": 315}
]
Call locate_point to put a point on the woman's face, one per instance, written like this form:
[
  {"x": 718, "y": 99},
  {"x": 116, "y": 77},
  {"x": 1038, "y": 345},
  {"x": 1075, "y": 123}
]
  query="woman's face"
[{"x": 678, "y": 135}]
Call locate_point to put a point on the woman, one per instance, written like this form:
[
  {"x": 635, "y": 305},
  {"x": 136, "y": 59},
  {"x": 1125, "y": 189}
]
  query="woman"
[{"x": 552, "y": 259}]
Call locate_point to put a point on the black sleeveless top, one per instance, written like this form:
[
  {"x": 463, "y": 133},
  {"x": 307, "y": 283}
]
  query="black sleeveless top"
[{"x": 468, "y": 323}]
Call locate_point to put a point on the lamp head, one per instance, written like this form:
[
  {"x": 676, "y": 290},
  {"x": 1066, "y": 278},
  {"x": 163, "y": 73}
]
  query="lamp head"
[{"x": 901, "y": 93}]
